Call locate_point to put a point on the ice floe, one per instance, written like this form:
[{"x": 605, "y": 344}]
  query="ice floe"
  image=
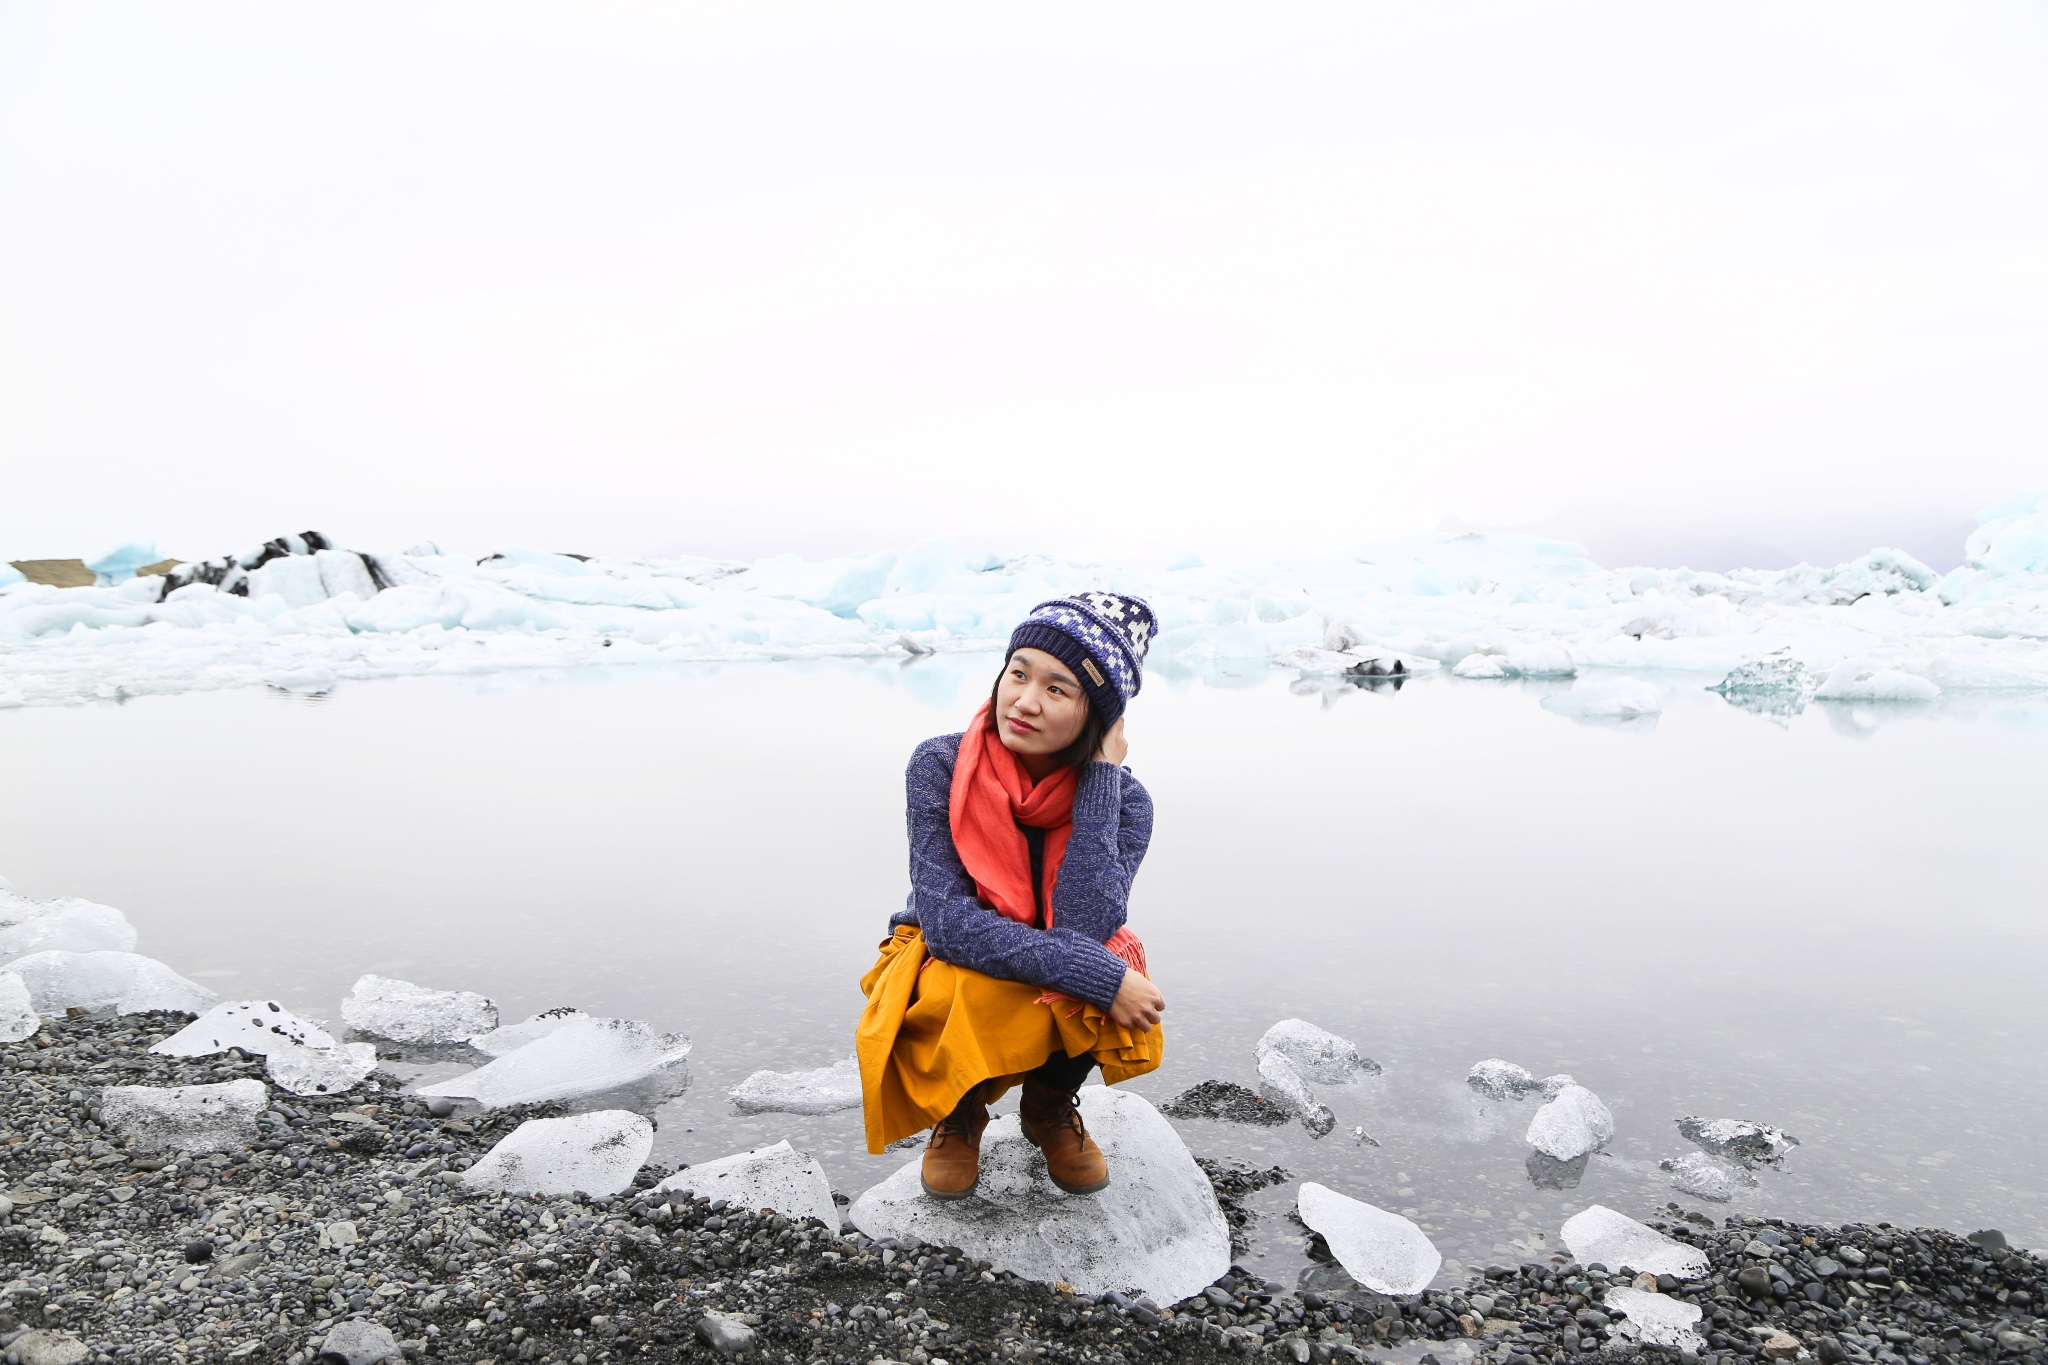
[
  {"x": 1317, "y": 1054},
  {"x": 400, "y": 1012},
  {"x": 185, "y": 1118},
  {"x": 1382, "y": 1251},
  {"x": 1283, "y": 1085},
  {"x": 596, "y": 1153},
  {"x": 827, "y": 1090},
  {"x": 587, "y": 1055},
  {"x": 1615, "y": 1240},
  {"x": 1572, "y": 1124},
  {"x": 1157, "y": 1228},
  {"x": 70, "y": 925},
  {"x": 126, "y": 983},
  {"x": 1738, "y": 1140},
  {"x": 1656, "y": 1319},
  {"x": 1698, "y": 1174},
  {"x": 775, "y": 1177},
  {"x": 18, "y": 1017}
]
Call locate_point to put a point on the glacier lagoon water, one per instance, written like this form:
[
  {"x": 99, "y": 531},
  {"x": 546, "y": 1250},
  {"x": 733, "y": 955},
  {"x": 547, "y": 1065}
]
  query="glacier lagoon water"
[{"x": 1831, "y": 921}]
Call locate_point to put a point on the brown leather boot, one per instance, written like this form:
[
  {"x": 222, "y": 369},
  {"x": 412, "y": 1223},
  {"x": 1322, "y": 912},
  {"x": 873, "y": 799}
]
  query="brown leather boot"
[
  {"x": 1051, "y": 1120},
  {"x": 952, "y": 1159}
]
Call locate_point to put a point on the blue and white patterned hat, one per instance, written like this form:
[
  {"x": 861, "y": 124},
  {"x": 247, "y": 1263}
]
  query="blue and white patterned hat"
[{"x": 1102, "y": 636}]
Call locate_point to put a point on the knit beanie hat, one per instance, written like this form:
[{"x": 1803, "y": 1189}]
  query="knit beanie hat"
[{"x": 1102, "y": 636}]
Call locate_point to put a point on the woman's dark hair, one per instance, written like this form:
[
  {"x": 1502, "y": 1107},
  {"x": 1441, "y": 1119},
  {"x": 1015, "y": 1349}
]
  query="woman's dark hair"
[{"x": 1085, "y": 746}]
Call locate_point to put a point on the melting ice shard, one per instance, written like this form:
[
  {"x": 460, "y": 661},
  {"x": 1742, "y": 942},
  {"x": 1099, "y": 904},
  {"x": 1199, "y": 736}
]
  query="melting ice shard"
[
  {"x": 1318, "y": 1055},
  {"x": 1702, "y": 1175},
  {"x": 1382, "y": 1251},
  {"x": 1738, "y": 1140},
  {"x": 827, "y": 1090},
  {"x": 126, "y": 983},
  {"x": 1156, "y": 1229},
  {"x": 321, "y": 1070},
  {"x": 1499, "y": 1080},
  {"x": 185, "y": 1118},
  {"x": 587, "y": 1055},
  {"x": 511, "y": 1037},
  {"x": 596, "y": 1153},
  {"x": 254, "y": 1026},
  {"x": 777, "y": 1177},
  {"x": 1656, "y": 1319},
  {"x": 71, "y": 926},
  {"x": 1571, "y": 1125},
  {"x": 18, "y": 1018},
  {"x": 1282, "y": 1084},
  {"x": 382, "y": 1007},
  {"x": 1616, "y": 1240}
]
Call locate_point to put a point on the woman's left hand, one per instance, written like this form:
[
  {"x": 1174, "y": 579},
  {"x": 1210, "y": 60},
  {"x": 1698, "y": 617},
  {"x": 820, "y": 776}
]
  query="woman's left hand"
[{"x": 1113, "y": 748}]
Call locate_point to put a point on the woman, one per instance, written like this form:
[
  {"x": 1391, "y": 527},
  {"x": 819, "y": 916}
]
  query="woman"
[{"x": 1010, "y": 960}]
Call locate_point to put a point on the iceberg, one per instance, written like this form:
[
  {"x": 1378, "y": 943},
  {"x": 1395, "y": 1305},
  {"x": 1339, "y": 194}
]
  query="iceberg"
[
  {"x": 1571, "y": 1125},
  {"x": 827, "y": 1090},
  {"x": 185, "y": 1118},
  {"x": 125, "y": 983},
  {"x": 119, "y": 564},
  {"x": 1317, "y": 1055},
  {"x": 1382, "y": 1251},
  {"x": 1615, "y": 1240},
  {"x": 1480, "y": 666},
  {"x": 1499, "y": 1080},
  {"x": 597, "y": 1153},
  {"x": 18, "y": 1018},
  {"x": 1703, "y": 1176},
  {"x": 1775, "y": 676},
  {"x": 71, "y": 925},
  {"x": 400, "y": 1012},
  {"x": 1738, "y": 1140},
  {"x": 1157, "y": 1229},
  {"x": 1657, "y": 1319},
  {"x": 511, "y": 1037},
  {"x": 320, "y": 1070},
  {"x": 1282, "y": 1084},
  {"x": 1861, "y": 680},
  {"x": 587, "y": 1055},
  {"x": 777, "y": 1177}
]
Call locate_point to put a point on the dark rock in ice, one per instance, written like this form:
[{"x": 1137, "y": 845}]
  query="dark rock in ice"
[
  {"x": 1225, "y": 1100},
  {"x": 1548, "y": 1173}
]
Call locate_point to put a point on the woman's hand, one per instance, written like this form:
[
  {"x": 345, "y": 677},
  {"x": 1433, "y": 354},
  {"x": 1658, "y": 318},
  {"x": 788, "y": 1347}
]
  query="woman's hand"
[
  {"x": 1138, "y": 1003},
  {"x": 1113, "y": 747}
]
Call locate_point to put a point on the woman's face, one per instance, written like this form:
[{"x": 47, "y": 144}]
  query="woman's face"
[{"x": 1040, "y": 708}]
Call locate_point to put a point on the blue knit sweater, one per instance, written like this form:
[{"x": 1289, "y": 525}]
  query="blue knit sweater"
[{"x": 1112, "y": 826}]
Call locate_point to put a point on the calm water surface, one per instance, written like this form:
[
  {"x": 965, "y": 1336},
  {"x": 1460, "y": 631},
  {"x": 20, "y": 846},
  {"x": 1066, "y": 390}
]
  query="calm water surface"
[{"x": 1833, "y": 923}]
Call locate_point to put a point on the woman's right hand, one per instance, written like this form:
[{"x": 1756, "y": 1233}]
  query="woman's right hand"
[
  {"x": 1138, "y": 1003},
  {"x": 1114, "y": 750}
]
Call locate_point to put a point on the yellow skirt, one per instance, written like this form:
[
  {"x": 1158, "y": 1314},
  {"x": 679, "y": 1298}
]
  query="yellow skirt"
[{"x": 932, "y": 1031}]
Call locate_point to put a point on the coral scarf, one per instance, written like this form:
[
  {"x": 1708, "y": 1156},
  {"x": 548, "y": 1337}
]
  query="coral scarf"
[{"x": 993, "y": 795}]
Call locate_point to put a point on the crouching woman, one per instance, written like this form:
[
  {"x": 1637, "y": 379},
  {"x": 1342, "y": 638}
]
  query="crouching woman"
[{"x": 1011, "y": 962}]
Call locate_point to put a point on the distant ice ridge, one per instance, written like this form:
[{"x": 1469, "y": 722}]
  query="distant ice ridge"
[{"x": 304, "y": 612}]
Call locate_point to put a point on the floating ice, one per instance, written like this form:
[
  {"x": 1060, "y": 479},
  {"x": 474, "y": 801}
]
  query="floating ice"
[
  {"x": 1656, "y": 1319},
  {"x": 1382, "y": 1251},
  {"x": 776, "y": 1177},
  {"x": 71, "y": 926},
  {"x": 185, "y": 1118},
  {"x": 18, "y": 1018},
  {"x": 1860, "y": 680},
  {"x": 1156, "y": 1229},
  {"x": 254, "y": 1026},
  {"x": 126, "y": 983},
  {"x": 1571, "y": 1125},
  {"x": 1553, "y": 1086},
  {"x": 1701, "y": 1175},
  {"x": 512, "y": 1037},
  {"x": 1480, "y": 666},
  {"x": 1499, "y": 1080},
  {"x": 1282, "y": 1083},
  {"x": 1605, "y": 700},
  {"x": 1616, "y": 1240},
  {"x": 382, "y": 1007},
  {"x": 596, "y": 1153},
  {"x": 1750, "y": 1144},
  {"x": 1318, "y": 1055},
  {"x": 587, "y": 1055},
  {"x": 1774, "y": 675},
  {"x": 827, "y": 1090},
  {"x": 119, "y": 565}
]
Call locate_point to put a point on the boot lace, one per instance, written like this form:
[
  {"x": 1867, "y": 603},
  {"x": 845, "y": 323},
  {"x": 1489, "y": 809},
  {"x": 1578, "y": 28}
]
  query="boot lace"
[{"x": 1060, "y": 1111}]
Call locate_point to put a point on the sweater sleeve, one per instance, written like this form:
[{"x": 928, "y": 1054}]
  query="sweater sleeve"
[
  {"x": 958, "y": 928},
  {"x": 1112, "y": 828}
]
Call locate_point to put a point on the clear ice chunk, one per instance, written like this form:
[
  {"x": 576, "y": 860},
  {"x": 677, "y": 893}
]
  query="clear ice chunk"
[
  {"x": 126, "y": 983},
  {"x": 381, "y": 1007},
  {"x": 1571, "y": 1125},
  {"x": 1776, "y": 676},
  {"x": 18, "y": 1018},
  {"x": 1656, "y": 1319},
  {"x": 596, "y": 1153},
  {"x": 321, "y": 1070},
  {"x": 1499, "y": 1080},
  {"x": 1553, "y": 1086},
  {"x": 1738, "y": 1140},
  {"x": 587, "y": 1055},
  {"x": 71, "y": 926},
  {"x": 1615, "y": 1240},
  {"x": 1156, "y": 1229},
  {"x": 185, "y": 1118},
  {"x": 1382, "y": 1251},
  {"x": 1698, "y": 1174},
  {"x": 777, "y": 1177},
  {"x": 827, "y": 1090},
  {"x": 1282, "y": 1084},
  {"x": 254, "y": 1026},
  {"x": 511, "y": 1037},
  {"x": 1318, "y": 1055}
]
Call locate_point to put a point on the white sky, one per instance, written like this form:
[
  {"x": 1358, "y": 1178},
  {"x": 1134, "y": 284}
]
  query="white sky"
[{"x": 1125, "y": 278}]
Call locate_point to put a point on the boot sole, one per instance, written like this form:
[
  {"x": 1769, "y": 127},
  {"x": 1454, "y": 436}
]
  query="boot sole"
[
  {"x": 1096, "y": 1188},
  {"x": 944, "y": 1194}
]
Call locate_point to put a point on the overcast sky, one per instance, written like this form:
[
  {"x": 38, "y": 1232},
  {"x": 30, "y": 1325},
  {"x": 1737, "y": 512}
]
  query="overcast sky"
[{"x": 1106, "y": 278}]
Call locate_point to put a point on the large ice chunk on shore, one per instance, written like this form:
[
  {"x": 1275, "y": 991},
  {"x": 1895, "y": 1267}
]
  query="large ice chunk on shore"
[
  {"x": 777, "y": 1177},
  {"x": 1318, "y": 1055},
  {"x": 1571, "y": 1125},
  {"x": 1739, "y": 1140},
  {"x": 1501, "y": 1080},
  {"x": 1616, "y": 1240},
  {"x": 827, "y": 1090},
  {"x": 320, "y": 1070},
  {"x": 126, "y": 983},
  {"x": 1157, "y": 1228},
  {"x": 382, "y": 1007},
  {"x": 1656, "y": 1319},
  {"x": 507, "y": 1038},
  {"x": 1282, "y": 1084},
  {"x": 254, "y": 1026},
  {"x": 596, "y": 1153},
  {"x": 1382, "y": 1251},
  {"x": 587, "y": 1055},
  {"x": 70, "y": 925},
  {"x": 18, "y": 1018},
  {"x": 185, "y": 1118}
]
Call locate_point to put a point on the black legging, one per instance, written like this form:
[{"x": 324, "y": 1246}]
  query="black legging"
[{"x": 1062, "y": 1072}]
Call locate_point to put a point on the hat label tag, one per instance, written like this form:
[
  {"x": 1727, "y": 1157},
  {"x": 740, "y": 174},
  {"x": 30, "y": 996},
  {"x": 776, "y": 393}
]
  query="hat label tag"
[{"x": 1094, "y": 673}]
